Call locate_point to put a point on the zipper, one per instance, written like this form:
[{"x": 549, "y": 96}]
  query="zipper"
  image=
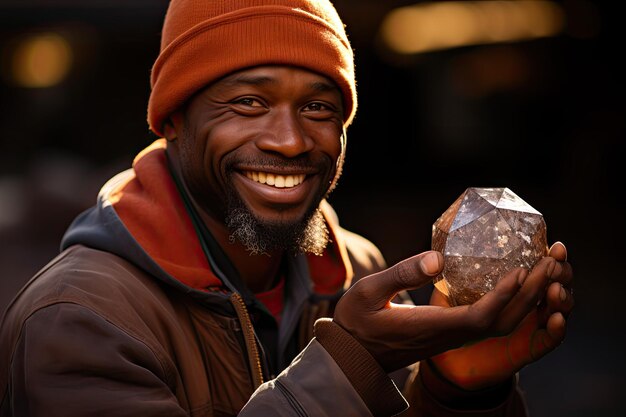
[
  {"x": 235, "y": 299},
  {"x": 254, "y": 358}
]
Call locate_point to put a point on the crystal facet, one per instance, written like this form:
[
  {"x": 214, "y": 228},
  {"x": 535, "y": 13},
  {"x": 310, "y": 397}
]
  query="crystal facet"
[{"x": 484, "y": 234}]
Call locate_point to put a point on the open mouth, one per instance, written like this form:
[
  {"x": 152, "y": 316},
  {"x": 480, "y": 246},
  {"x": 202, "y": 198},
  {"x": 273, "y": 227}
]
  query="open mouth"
[
  {"x": 277, "y": 194},
  {"x": 275, "y": 180}
]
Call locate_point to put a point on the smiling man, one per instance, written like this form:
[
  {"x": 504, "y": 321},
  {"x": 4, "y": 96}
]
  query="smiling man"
[
  {"x": 259, "y": 149},
  {"x": 213, "y": 278}
]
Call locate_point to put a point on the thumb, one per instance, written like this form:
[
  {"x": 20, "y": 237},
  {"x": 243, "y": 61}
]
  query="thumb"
[{"x": 408, "y": 274}]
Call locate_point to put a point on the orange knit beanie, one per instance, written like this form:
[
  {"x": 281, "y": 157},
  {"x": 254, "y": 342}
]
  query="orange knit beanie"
[{"x": 204, "y": 40}]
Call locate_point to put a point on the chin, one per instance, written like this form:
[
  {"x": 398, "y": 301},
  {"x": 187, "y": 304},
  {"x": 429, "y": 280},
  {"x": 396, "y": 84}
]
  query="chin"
[{"x": 303, "y": 234}]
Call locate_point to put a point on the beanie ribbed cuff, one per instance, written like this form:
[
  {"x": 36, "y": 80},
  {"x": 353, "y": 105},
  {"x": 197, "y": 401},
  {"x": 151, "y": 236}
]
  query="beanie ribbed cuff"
[{"x": 245, "y": 38}]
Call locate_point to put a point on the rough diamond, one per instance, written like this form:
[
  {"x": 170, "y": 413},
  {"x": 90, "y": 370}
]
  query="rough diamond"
[{"x": 484, "y": 234}]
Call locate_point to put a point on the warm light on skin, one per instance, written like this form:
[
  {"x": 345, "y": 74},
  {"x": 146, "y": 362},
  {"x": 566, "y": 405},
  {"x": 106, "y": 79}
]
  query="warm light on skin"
[
  {"x": 42, "y": 60},
  {"x": 449, "y": 24}
]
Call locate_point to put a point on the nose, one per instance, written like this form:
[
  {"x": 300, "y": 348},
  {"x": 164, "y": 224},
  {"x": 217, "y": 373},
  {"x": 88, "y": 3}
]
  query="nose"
[{"x": 285, "y": 135}]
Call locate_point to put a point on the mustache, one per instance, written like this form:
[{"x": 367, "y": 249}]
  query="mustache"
[{"x": 300, "y": 162}]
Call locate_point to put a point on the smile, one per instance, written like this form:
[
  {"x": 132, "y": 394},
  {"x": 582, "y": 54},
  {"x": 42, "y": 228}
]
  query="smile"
[{"x": 275, "y": 180}]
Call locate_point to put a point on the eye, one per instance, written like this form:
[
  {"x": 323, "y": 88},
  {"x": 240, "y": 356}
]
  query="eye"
[
  {"x": 248, "y": 106},
  {"x": 317, "y": 106},
  {"x": 320, "y": 110},
  {"x": 248, "y": 101}
]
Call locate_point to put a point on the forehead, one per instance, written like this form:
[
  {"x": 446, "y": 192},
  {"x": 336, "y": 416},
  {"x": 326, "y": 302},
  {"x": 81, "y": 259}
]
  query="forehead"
[{"x": 269, "y": 75}]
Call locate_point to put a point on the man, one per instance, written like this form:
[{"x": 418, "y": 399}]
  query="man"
[{"x": 204, "y": 281}]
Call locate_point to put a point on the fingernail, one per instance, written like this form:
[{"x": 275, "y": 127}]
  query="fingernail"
[
  {"x": 563, "y": 294},
  {"x": 430, "y": 263}
]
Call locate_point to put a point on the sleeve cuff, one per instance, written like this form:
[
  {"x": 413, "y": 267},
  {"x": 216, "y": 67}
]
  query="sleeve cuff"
[
  {"x": 373, "y": 385},
  {"x": 452, "y": 396}
]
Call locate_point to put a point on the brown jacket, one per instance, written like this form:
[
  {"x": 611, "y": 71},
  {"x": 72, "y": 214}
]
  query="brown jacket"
[
  {"x": 94, "y": 335},
  {"x": 123, "y": 323}
]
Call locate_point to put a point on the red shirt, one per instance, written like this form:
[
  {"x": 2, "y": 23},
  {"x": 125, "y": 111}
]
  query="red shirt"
[{"x": 273, "y": 299}]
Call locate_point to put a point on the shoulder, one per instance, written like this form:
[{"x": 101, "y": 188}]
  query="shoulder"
[
  {"x": 97, "y": 298},
  {"x": 82, "y": 275},
  {"x": 105, "y": 284},
  {"x": 365, "y": 257}
]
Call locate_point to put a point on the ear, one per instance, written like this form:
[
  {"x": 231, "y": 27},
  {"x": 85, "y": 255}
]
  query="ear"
[{"x": 173, "y": 125}]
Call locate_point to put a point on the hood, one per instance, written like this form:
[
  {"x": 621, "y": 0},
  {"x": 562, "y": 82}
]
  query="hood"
[{"x": 140, "y": 216}]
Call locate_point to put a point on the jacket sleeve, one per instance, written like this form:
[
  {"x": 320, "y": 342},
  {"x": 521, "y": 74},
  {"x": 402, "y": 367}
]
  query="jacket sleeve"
[
  {"x": 430, "y": 395},
  {"x": 71, "y": 362},
  {"x": 335, "y": 372},
  {"x": 315, "y": 384}
]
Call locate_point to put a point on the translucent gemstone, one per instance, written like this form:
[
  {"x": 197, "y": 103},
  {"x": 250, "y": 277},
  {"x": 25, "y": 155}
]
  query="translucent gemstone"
[{"x": 484, "y": 234}]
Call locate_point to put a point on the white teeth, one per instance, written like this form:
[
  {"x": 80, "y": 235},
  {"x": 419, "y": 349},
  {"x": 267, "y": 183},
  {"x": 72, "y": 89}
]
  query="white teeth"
[{"x": 278, "y": 181}]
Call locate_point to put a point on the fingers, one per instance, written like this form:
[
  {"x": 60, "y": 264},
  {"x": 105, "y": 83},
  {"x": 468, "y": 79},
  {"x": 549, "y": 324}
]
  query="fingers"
[
  {"x": 531, "y": 341},
  {"x": 562, "y": 272},
  {"x": 475, "y": 321},
  {"x": 559, "y": 299},
  {"x": 545, "y": 340},
  {"x": 550, "y": 327},
  {"x": 514, "y": 302},
  {"x": 491, "y": 305},
  {"x": 556, "y": 328},
  {"x": 500, "y": 310},
  {"x": 378, "y": 289},
  {"x": 559, "y": 295},
  {"x": 558, "y": 252},
  {"x": 528, "y": 297},
  {"x": 542, "y": 330}
]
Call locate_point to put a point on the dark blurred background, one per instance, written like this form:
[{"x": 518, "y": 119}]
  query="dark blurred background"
[{"x": 523, "y": 94}]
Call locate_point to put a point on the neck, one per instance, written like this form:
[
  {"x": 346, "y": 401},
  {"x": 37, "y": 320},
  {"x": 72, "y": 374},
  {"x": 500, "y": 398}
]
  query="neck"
[{"x": 258, "y": 272}]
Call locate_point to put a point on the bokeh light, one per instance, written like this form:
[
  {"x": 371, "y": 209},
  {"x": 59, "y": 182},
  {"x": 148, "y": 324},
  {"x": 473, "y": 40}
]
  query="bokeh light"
[
  {"x": 448, "y": 24},
  {"x": 41, "y": 60}
]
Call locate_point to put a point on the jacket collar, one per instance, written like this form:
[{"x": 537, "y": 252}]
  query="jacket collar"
[{"x": 152, "y": 210}]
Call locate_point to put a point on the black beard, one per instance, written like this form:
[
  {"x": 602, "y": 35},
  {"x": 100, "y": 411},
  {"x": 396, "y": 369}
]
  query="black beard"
[{"x": 308, "y": 235}]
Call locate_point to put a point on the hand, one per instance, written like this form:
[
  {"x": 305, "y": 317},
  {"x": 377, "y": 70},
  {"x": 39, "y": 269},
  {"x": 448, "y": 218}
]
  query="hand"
[
  {"x": 494, "y": 360},
  {"x": 398, "y": 335}
]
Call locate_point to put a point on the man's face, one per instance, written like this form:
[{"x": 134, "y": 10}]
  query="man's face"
[{"x": 262, "y": 146}]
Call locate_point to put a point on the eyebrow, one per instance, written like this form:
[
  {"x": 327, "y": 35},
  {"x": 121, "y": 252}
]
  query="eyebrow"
[
  {"x": 249, "y": 80},
  {"x": 323, "y": 87},
  {"x": 261, "y": 80}
]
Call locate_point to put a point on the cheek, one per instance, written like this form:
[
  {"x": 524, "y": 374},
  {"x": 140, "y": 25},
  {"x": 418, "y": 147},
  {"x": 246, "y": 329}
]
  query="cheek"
[
  {"x": 195, "y": 161},
  {"x": 219, "y": 145},
  {"x": 329, "y": 140}
]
